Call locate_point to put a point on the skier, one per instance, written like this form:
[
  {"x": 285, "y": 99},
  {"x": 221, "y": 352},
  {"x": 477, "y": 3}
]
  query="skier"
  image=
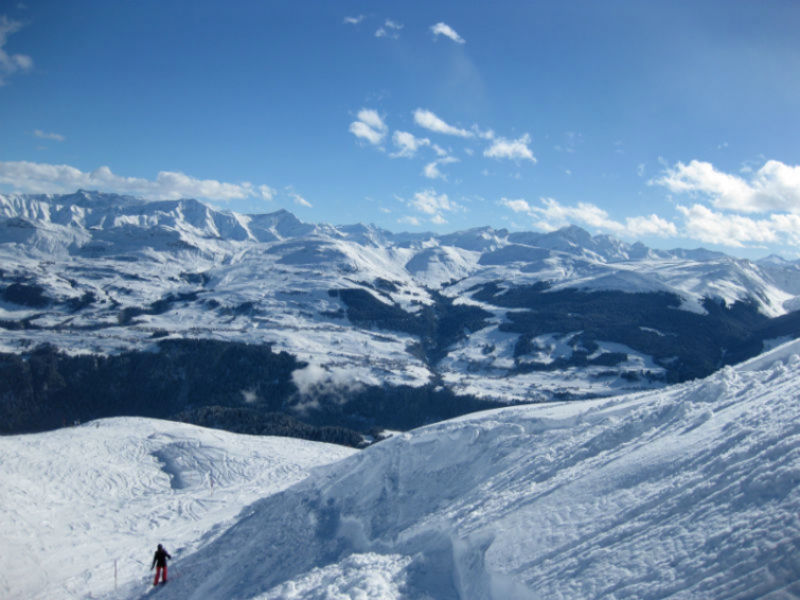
[{"x": 160, "y": 562}]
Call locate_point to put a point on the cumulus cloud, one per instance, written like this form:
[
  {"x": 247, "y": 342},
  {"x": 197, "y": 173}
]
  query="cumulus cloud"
[
  {"x": 56, "y": 137},
  {"x": 431, "y": 170},
  {"x": 11, "y": 63},
  {"x": 428, "y": 120},
  {"x": 391, "y": 29},
  {"x": 432, "y": 204},
  {"x": 407, "y": 144},
  {"x": 651, "y": 225},
  {"x": 518, "y": 205},
  {"x": 715, "y": 227},
  {"x": 447, "y": 31},
  {"x": 266, "y": 192},
  {"x": 552, "y": 215},
  {"x": 514, "y": 149},
  {"x": 353, "y": 20},
  {"x": 369, "y": 126},
  {"x": 33, "y": 177},
  {"x": 773, "y": 187}
]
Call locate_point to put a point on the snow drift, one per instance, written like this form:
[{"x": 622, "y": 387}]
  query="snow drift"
[{"x": 689, "y": 492}]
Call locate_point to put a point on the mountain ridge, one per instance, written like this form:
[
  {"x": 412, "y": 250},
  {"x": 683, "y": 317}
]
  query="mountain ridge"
[{"x": 484, "y": 313}]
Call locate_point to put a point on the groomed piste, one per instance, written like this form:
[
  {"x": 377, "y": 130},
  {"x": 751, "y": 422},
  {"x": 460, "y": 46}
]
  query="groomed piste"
[{"x": 688, "y": 492}]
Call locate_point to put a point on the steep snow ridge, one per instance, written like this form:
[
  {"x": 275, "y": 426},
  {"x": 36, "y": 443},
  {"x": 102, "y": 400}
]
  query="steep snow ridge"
[
  {"x": 690, "y": 492},
  {"x": 80, "y": 502}
]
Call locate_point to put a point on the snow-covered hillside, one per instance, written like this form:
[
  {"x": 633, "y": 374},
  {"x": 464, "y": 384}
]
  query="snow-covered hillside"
[
  {"x": 688, "y": 492},
  {"x": 84, "y": 507},
  {"x": 691, "y": 492},
  {"x": 101, "y": 273}
]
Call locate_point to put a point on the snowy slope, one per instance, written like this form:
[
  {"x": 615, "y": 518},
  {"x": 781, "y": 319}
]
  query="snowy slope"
[
  {"x": 688, "y": 492},
  {"x": 78, "y": 503}
]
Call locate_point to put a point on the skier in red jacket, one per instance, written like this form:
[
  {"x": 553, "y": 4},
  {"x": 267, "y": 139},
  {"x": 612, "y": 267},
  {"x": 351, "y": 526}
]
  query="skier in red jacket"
[{"x": 160, "y": 562}]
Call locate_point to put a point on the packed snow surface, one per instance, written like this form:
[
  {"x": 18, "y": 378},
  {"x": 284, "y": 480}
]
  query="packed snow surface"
[
  {"x": 84, "y": 506},
  {"x": 688, "y": 492}
]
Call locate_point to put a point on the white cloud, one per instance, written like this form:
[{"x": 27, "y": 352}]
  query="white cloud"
[
  {"x": 371, "y": 118},
  {"x": 773, "y": 187},
  {"x": 353, "y": 20},
  {"x": 433, "y": 205},
  {"x": 518, "y": 205},
  {"x": 369, "y": 126},
  {"x": 428, "y": 120},
  {"x": 408, "y": 144},
  {"x": 409, "y": 220},
  {"x": 48, "y": 136},
  {"x": 429, "y": 202},
  {"x": 552, "y": 215},
  {"x": 714, "y": 227},
  {"x": 267, "y": 193},
  {"x": 651, "y": 225},
  {"x": 390, "y": 29},
  {"x": 299, "y": 200},
  {"x": 33, "y": 177},
  {"x": 11, "y": 63},
  {"x": 431, "y": 170},
  {"x": 484, "y": 135},
  {"x": 447, "y": 31},
  {"x": 514, "y": 149}
]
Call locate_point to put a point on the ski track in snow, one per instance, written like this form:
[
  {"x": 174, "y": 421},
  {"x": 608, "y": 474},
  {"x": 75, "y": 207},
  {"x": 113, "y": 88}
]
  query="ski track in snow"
[
  {"x": 689, "y": 492},
  {"x": 76, "y": 500}
]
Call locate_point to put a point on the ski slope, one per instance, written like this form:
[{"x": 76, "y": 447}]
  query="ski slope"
[
  {"x": 80, "y": 503},
  {"x": 690, "y": 492}
]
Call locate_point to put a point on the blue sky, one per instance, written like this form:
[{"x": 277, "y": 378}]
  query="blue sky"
[{"x": 674, "y": 123}]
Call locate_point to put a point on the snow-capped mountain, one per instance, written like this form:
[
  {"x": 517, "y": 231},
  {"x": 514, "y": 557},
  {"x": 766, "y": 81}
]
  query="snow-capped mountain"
[
  {"x": 692, "y": 491},
  {"x": 485, "y": 313}
]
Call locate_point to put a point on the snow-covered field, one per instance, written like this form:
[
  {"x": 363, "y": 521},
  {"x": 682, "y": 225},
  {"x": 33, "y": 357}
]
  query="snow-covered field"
[
  {"x": 687, "y": 492},
  {"x": 83, "y": 508}
]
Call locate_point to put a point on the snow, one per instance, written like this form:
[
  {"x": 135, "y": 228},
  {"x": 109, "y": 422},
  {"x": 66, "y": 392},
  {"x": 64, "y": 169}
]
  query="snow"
[
  {"x": 78, "y": 503},
  {"x": 687, "y": 492},
  {"x": 129, "y": 253}
]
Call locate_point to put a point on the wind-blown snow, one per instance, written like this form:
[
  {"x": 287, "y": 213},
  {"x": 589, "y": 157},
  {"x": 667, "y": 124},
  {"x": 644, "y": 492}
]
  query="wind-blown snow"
[
  {"x": 689, "y": 492},
  {"x": 79, "y": 502}
]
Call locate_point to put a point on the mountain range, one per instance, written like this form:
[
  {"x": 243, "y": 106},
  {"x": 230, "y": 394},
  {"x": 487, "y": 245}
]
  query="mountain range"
[{"x": 113, "y": 305}]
